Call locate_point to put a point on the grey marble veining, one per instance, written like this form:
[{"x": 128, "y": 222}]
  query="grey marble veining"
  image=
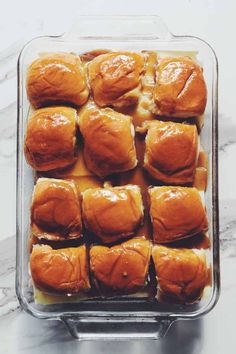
[
  {"x": 212, "y": 334},
  {"x": 8, "y": 301},
  {"x": 227, "y": 132}
]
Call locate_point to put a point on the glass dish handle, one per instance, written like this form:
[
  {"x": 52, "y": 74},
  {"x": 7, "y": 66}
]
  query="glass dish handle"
[
  {"x": 117, "y": 27},
  {"x": 108, "y": 328}
]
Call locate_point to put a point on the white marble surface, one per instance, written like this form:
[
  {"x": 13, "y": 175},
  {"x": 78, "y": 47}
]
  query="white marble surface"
[{"x": 215, "y": 22}]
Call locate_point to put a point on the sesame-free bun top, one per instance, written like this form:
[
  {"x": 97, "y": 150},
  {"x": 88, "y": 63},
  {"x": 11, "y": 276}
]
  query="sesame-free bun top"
[
  {"x": 112, "y": 213},
  {"x": 171, "y": 152},
  {"x": 56, "y": 210},
  {"x": 122, "y": 267},
  {"x": 62, "y": 270},
  {"x": 50, "y": 141},
  {"x": 114, "y": 78},
  {"x": 176, "y": 212},
  {"x": 57, "y": 78},
  {"x": 108, "y": 140},
  {"x": 182, "y": 273},
  {"x": 180, "y": 89}
]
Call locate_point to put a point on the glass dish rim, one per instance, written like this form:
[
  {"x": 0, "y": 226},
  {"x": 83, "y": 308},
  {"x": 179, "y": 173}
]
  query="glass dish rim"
[{"x": 215, "y": 213}]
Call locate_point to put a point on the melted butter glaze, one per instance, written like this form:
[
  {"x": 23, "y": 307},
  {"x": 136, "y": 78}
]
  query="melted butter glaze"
[
  {"x": 112, "y": 213},
  {"x": 50, "y": 141},
  {"x": 188, "y": 216},
  {"x": 180, "y": 89},
  {"x": 57, "y": 78},
  {"x": 113, "y": 75},
  {"x": 55, "y": 210},
  {"x": 171, "y": 152},
  {"x": 182, "y": 273},
  {"x": 108, "y": 141},
  {"x": 121, "y": 268},
  {"x": 64, "y": 270}
]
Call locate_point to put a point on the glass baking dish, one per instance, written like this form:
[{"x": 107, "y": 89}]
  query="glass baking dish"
[{"x": 127, "y": 318}]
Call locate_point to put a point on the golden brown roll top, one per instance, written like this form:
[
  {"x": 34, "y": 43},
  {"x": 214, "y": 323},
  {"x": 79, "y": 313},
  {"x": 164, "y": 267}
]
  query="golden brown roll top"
[
  {"x": 59, "y": 271},
  {"x": 180, "y": 89},
  {"x": 182, "y": 274},
  {"x": 50, "y": 141},
  {"x": 171, "y": 152},
  {"x": 108, "y": 141},
  {"x": 123, "y": 267},
  {"x": 176, "y": 212},
  {"x": 114, "y": 77},
  {"x": 57, "y": 78},
  {"x": 112, "y": 213},
  {"x": 56, "y": 210}
]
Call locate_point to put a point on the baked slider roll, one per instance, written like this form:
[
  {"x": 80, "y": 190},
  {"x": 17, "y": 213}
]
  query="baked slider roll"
[
  {"x": 108, "y": 141},
  {"x": 180, "y": 89},
  {"x": 63, "y": 271},
  {"x": 122, "y": 268},
  {"x": 176, "y": 213},
  {"x": 112, "y": 213},
  {"x": 56, "y": 210},
  {"x": 171, "y": 152},
  {"x": 57, "y": 78},
  {"x": 182, "y": 274},
  {"x": 50, "y": 141},
  {"x": 115, "y": 78}
]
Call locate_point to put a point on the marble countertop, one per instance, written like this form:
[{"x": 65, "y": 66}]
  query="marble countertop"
[{"x": 215, "y": 22}]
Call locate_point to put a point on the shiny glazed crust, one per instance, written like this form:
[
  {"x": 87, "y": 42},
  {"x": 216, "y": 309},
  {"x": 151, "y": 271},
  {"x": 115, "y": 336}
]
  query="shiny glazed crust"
[
  {"x": 182, "y": 273},
  {"x": 171, "y": 152},
  {"x": 59, "y": 271},
  {"x": 56, "y": 210},
  {"x": 108, "y": 141},
  {"x": 123, "y": 267},
  {"x": 57, "y": 78},
  {"x": 180, "y": 89},
  {"x": 50, "y": 141},
  {"x": 114, "y": 78},
  {"x": 112, "y": 213},
  {"x": 176, "y": 212}
]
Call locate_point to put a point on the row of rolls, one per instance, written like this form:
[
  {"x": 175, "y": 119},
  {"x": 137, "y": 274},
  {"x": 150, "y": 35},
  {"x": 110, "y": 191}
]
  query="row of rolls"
[
  {"x": 117, "y": 79},
  {"x": 113, "y": 214},
  {"x": 122, "y": 269},
  {"x": 84, "y": 101},
  {"x": 170, "y": 155}
]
